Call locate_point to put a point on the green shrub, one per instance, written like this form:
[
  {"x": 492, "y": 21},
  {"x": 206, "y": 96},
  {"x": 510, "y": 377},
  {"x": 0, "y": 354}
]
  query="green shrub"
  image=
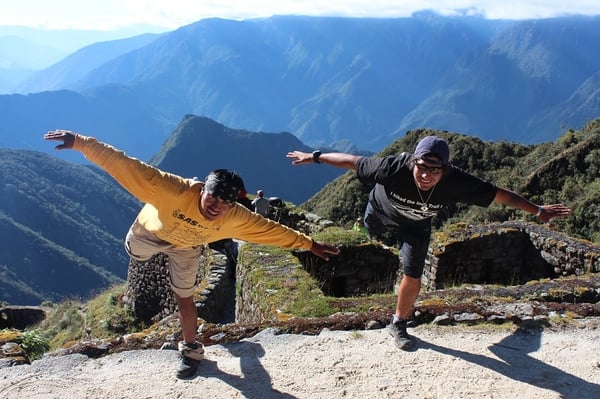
[{"x": 34, "y": 344}]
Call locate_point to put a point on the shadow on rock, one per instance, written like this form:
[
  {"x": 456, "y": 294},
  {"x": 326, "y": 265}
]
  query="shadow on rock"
[
  {"x": 517, "y": 364},
  {"x": 255, "y": 382}
]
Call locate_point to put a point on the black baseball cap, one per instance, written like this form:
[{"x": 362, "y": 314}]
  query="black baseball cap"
[{"x": 433, "y": 149}]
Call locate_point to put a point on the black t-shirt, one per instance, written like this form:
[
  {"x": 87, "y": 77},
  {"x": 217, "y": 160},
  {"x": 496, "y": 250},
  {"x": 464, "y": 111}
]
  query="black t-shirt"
[{"x": 395, "y": 197}]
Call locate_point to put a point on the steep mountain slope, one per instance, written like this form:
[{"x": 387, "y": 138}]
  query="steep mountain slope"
[
  {"x": 314, "y": 76},
  {"x": 530, "y": 81},
  {"x": 65, "y": 74},
  {"x": 62, "y": 227},
  {"x": 199, "y": 145}
]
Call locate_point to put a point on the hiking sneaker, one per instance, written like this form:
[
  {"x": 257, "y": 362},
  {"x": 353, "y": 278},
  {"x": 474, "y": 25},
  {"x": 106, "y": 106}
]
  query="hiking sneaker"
[
  {"x": 191, "y": 354},
  {"x": 401, "y": 337}
]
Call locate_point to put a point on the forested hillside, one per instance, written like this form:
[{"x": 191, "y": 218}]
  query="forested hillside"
[
  {"x": 62, "y": 227},
  {"x": 564, "y": 171}
]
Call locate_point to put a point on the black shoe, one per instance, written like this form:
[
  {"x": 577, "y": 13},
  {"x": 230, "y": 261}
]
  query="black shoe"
[
  {"x": 191, "y": 354},
  {"x": 187, "y": 367},
  {"x": 401, "y": 337}
]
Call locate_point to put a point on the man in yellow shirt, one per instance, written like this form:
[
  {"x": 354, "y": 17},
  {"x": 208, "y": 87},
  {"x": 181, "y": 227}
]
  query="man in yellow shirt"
[{"x": 179, "y": 217}]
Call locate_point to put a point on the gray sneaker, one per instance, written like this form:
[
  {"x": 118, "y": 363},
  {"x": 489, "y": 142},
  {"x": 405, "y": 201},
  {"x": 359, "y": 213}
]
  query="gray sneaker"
[
  {"x": 401, "y": 337},
  {"x": 187, "y": 367},
  {"x": 191, "y": 355}
]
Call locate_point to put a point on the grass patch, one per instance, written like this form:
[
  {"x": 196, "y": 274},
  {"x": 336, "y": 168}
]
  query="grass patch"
[
  {"x": 34, "y": 344},
  {"x": 281, "y": 287},
  {"x": 355, "y": 334},
  {"x": 104, "y": 316},
  {"x": 64, "y": 323},
  {"x": 108, "y": 316},
  {"x": 338, "y": 236}
]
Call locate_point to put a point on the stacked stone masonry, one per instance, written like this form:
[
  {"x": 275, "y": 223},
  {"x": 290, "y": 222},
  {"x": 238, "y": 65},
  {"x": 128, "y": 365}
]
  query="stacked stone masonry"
[
  {"x": 507, "y": 253},
  {"x": 502, "y": 253},
  {"x": 150, "y": 294}
]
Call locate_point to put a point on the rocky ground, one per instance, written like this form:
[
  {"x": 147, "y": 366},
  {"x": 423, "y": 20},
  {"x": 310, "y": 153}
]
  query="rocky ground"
[
  {"x": 546, "y": 303},
  {"x": 448, "y": 362},
  {"x": 537, "y": 340}
]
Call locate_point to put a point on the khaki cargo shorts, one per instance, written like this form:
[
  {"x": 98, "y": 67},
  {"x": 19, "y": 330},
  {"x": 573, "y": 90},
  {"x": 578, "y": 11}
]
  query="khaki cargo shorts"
[{"x": 141, "y": 245}]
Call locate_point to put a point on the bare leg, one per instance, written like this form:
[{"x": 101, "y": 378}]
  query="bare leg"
[
  {"x": 407, "y": 295},
  {"x": 188, "y": 317}
]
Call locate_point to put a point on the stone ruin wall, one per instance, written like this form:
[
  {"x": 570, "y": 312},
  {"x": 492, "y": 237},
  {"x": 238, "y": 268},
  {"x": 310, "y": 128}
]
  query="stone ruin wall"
[
  {"x": 506, "y": 253},
  {"x": 509, "y": 253},
  {"x": 150, "y": 295}
]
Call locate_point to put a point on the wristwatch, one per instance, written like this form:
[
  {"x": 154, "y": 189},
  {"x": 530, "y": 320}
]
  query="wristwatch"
[{"x": 316, "y": 155}]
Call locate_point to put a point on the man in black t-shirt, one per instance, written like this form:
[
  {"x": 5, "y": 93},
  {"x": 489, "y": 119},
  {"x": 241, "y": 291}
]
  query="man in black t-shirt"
[{"x": 409, "y": 190}]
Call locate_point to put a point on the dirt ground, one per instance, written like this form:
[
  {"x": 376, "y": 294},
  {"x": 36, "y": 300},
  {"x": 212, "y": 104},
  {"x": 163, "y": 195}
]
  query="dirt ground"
[{"x": 448, "y": 362}]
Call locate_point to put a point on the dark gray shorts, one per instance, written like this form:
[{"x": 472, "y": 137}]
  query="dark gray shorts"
[{"x": 412, "y": 241}]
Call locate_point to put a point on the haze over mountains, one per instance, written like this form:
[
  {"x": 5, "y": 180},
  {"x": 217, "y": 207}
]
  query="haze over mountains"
[{"x": 329, "y": 81}]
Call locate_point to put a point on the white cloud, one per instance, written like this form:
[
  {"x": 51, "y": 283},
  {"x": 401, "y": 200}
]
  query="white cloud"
[{"x": 111, "y": 14}]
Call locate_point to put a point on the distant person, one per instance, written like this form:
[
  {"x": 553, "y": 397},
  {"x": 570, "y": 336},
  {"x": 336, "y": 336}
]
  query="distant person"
[
  {"x": 244, "y": 200},
  {"x": 261, "y": 204},
  {"x": 359, "y": 226},
  {"x": 409, "y": 190},
  {"x": 277, "y": 205},
  {"x": 179, "y": 217}
]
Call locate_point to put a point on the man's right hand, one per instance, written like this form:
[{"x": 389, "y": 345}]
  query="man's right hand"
[
  {"x": 323, "y": 250},
  {"x": 66, "y": 136},
  {"x": 299, "y": 157}
]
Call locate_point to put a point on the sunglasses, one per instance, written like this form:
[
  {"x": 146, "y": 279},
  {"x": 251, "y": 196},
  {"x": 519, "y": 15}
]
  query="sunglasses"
[{"x": 434, "y": 170}]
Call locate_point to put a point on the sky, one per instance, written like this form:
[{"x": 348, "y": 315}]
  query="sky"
[{"x": 171, "y": 14}]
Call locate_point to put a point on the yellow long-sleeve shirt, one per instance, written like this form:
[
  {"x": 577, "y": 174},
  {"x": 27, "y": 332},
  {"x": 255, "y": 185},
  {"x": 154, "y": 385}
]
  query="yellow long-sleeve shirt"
[{"x": 171, "y": 209}]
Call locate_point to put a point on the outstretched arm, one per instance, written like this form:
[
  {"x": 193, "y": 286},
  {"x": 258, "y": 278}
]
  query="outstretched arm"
[
  {"x": 339, "y": 159},
  {"x": 137, "y": 177},
  {"x": 544, "y": 212}
]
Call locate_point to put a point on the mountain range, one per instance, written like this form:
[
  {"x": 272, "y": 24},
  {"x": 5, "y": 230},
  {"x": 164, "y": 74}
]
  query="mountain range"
[{"x": 338, "y": 82}]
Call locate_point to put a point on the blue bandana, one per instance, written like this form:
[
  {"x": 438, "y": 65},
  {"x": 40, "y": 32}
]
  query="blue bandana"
[{"x": 225, "y": 184}]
